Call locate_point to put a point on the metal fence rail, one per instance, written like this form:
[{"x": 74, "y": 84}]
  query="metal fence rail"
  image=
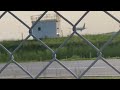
[{"x": 54, "y": 53}]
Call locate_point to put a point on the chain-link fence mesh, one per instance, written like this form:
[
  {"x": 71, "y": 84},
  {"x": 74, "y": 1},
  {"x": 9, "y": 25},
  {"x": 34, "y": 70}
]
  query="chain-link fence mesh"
[{"x": 77, "y": 75}]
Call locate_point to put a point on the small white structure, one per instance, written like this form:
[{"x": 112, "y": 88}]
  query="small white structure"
[{"x": 47, "y": 27}]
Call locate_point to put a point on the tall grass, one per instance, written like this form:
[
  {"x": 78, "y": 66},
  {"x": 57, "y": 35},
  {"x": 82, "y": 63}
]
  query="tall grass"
[{"x": 74, "y": 49}]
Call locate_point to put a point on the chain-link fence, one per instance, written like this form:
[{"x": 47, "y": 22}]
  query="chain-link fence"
[{"x": 54, "y": 52}]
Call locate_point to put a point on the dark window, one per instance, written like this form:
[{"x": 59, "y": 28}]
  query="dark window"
[{"x": 39, "y": 28}]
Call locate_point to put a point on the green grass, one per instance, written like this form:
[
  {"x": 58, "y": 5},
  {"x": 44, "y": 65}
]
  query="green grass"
[{"x": 74, "y": 49}]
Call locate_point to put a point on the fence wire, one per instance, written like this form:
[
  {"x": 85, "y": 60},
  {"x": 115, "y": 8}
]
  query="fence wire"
[{"x": 54, "y": 53}]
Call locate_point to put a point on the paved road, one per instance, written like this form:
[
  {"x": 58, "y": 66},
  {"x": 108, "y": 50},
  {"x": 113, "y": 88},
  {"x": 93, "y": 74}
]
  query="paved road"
[{"x": 55, "y": 70}]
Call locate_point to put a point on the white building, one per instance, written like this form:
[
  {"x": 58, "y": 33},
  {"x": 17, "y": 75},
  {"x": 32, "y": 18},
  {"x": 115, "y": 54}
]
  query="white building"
[{"x": 47, "y": 27}]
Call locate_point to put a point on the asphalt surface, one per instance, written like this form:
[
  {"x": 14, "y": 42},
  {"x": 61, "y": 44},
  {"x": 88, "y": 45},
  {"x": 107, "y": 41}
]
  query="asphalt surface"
[{"x": 55, "y": 70}]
